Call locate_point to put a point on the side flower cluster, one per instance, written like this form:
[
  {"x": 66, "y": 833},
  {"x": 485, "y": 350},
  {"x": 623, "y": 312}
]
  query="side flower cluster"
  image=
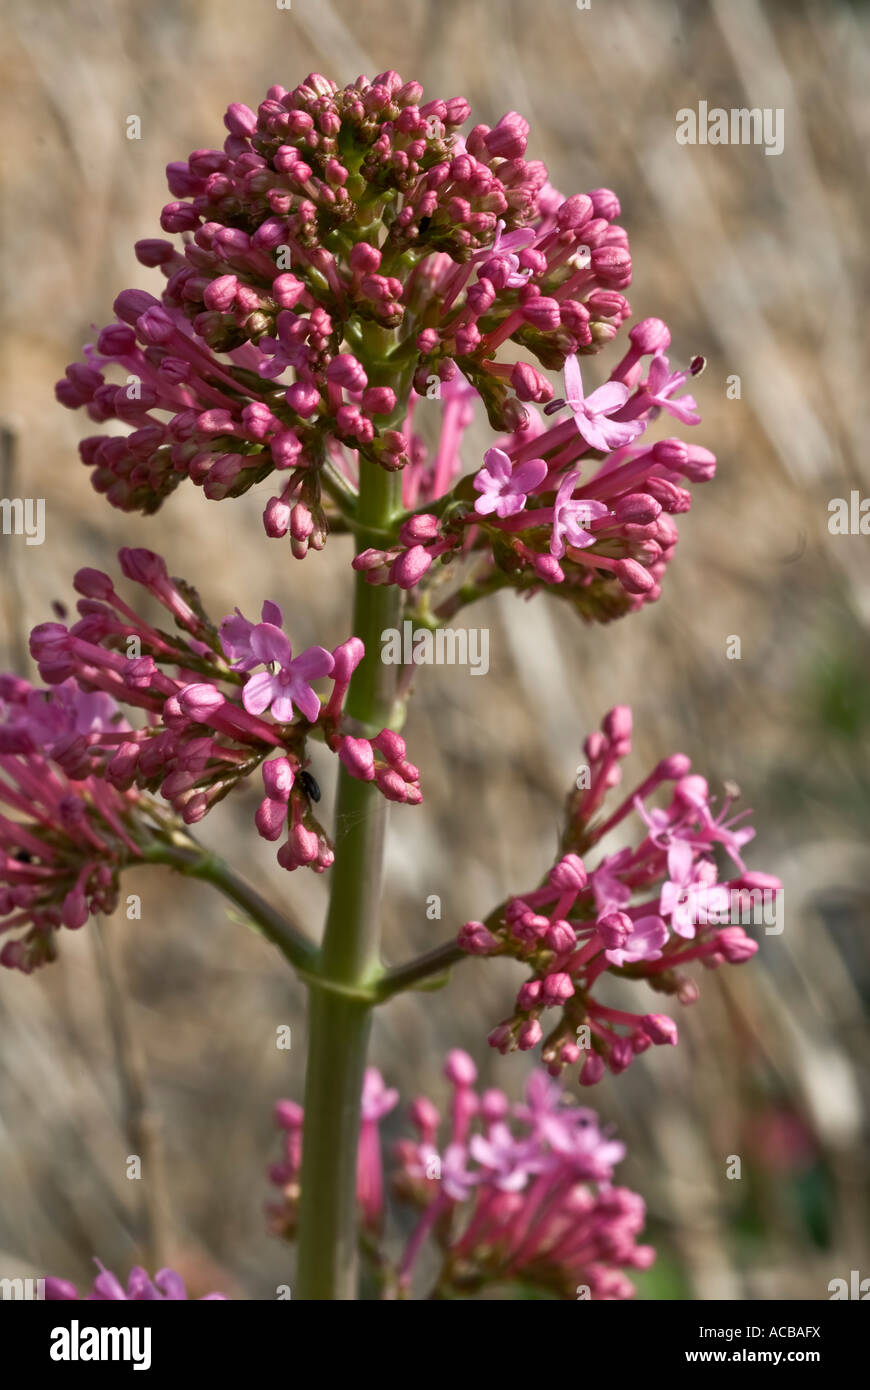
[
  {"x": 529, "y": 518},
  {"x": 65, "y": 835},
  {"x": 203, "y": 693},
  {"x": 643, "y": 912},
  {"x": 518, "y": 1193}
]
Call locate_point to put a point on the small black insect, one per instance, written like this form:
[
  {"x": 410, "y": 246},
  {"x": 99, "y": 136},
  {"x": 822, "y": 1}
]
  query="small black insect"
[
  {"x": 309, "y": 786},
  {"x": 23, "y": 856},
  {"x": 425, "y": 224}
]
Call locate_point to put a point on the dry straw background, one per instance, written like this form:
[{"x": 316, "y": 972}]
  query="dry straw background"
[{"x": 759, "y": 263}]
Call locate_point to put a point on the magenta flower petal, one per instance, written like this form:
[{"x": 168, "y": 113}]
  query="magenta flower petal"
[
  {"x": 305, "y": 699},
  {"x": 259, "y": 692},
  {"x": 282, "y": 707},
  {"x": 269, "y": 643},
  {"x": 529, "y": 475},
  {"x": 271, "y": 613},
  {"x": 573, "y": 382},
  {"x": 607, "y": 398},
  {"x": 312, "y": 663}
]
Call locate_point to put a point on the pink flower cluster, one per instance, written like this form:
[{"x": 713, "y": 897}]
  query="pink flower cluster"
[
  {"x": 530, "y": 519},
  {"x": 68, "y": 833},
  {"x": 202, "y": 705},
  {"x": 518, "y": 1193},
  {"x": 166, "y": 1285},
  {"x": 643, "y": 912}
]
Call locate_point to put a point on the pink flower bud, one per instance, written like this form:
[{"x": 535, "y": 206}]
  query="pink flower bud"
[
  {"x": 621, "y": 1055},
  {"x": 288, "y": 1115},
  {"x": 508, "y": 139},
  {"x": 391, "y": 744},
  {"x": 420, "y": 528},
  {"x": 142, "y": 566},
  {"x": 240, "y": 119},
  {"x": 285, "y": 448},
  {"x": 287, "y": 290},
  {"x": 344, "y": 370},
  {"x": 379, "y": 400},
  {"x": 561, "y": 937},
  {"x": 409, "y": 568},
  {"x": 74, "y": 912},
  {"x": 548, "y": 569},
  {"x": 692, "y": 791},
  {"x": 592, "y": 1070},
  {"x": 633, "y": 577},
  {"x": 650, "y": 335},
  {"x": 700, "y": 465},
  {"x": 276, "y": 518},
  {"x": 93, "y": 584},
  {"x": 671, "y": 453},
  {"x": 425, "y": 1116},
  {"x": 617, "y": 723},
  {"x": 735, "y": 945},
  {"x": 638, "y": 508},
  {"x": 672, "y": 768},
  {"x": 569, "y": 875},
  {"x": 544, "y": 314},
  {"x": 301, "y": 522},
  {"x": 270, "y": 818},
  {"x": 358, "y": 757},
  {"x": 530, "y": 1035},
  {"x": 131, "y": 304},
  {"x": 574, "y": 212},
  {"x": 660, "y": 1029},
  {"x": 476, "y": 939},
  {"x": 221, "y": 293},
  {"x": 304, "y": 398},
  {"x": 364, "y": 259},
  {"x": 200, "y": 701},
  {"x": 278, "y": 777},
  {"x": 605, "y": 203},
  {"x": 529, "y": 995},
  {"x": 460, "y": 1069},
  {"x": 393, "y": 787},
  {"x": 501, "y": 1037},
  {"x": 556, "y": 988},
  {"x": 529, "y": 384},
  {"x": 615, "y": 929}
]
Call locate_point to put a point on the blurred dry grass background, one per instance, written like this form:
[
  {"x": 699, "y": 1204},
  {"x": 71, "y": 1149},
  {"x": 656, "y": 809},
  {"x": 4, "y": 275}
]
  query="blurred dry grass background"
[{"x": 759, "y": 263}]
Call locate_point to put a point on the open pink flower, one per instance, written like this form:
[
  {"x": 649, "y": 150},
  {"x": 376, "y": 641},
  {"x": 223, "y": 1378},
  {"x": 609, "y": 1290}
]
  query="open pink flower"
[
  {"x": 591, "y": 412},
  {"x": 504, "y": 488},
  {"x": 660, "y": 387},
  {"x": 505, "y": 247},
  {"x": 570, "y": 518},
  {"x": 645, "y": 942},
  {"x": 287, "y": 683}
]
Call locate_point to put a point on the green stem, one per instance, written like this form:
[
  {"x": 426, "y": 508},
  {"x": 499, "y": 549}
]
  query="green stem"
[
  {"x": 193, "y": 861},
  {"x": 339, "y": 1023},
  {"x": 415, "y": 972}
]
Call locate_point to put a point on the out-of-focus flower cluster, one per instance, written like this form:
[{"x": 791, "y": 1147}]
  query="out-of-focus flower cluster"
[
  {"x": 643, "y": 912},
  {"x": 516, "y": 1194},
  {"x": 203, "y": 694},
  {"x": 345, "y": 246},
  {"x": 166, "y": 1285},
  {"x": 67, "y": 834}
]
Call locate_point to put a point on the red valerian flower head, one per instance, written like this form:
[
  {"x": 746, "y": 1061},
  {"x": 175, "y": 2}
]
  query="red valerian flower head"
[
  {"x": 642, "y": 912},
  {"x": 206, "y": 717}
]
